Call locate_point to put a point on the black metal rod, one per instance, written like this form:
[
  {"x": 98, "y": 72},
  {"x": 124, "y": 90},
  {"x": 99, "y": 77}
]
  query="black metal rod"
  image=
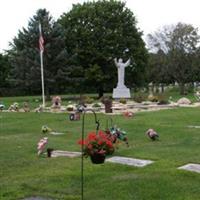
[
  {"x": 82, "y": 146},
  {"x": 111, "y": 122}
]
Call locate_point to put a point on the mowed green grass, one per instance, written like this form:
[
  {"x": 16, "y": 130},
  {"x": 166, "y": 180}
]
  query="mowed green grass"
[{"x": 24, "y": 174}]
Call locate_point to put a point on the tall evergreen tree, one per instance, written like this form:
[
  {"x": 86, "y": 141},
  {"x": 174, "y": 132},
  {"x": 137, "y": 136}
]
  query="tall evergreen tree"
[
  {"x": 25, "y": 59},
  {"x": 4, "y": 72}
]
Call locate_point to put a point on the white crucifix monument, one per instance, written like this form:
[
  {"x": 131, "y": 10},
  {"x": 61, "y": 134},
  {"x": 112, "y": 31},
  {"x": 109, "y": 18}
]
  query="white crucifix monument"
[{"x": 121, "y": 91}]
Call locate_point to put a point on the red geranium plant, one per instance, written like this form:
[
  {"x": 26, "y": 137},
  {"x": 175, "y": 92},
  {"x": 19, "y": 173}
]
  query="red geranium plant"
[{"x": 97, "y": 143}]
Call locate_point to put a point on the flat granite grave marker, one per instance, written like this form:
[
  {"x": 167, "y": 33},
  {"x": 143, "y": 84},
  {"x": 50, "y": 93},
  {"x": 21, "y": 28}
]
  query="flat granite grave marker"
[
  {"x": 191, "y": 167},
  {"x": 56, "y": 133},
  {"x": 191, "y": 126},
  {"x": 71, "y": 154},
  {"x": 37, "y": 198},
  {"x": 129, "y": 161}
]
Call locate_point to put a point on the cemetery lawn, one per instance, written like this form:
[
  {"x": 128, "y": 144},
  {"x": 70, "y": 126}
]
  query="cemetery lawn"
[{"x": 24, "y": 174}]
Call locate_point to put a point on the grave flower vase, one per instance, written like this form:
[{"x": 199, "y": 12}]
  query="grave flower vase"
[
  {"x": 49, "y": 152},
  {"x": 97, "y": 158}
]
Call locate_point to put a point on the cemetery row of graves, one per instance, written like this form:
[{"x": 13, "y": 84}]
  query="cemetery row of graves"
[
  {"x": 105, "y": 105},
  {"x": 122, "y": 148},
  {"x": 146, "y": 155}
]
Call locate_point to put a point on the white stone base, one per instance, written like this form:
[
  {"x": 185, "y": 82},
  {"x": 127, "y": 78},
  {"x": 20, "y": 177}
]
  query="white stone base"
[{"x": 121, "y": 93}]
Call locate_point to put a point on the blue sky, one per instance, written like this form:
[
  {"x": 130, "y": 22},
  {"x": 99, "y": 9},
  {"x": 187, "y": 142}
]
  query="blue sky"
[{"x": 150, "y": 14}]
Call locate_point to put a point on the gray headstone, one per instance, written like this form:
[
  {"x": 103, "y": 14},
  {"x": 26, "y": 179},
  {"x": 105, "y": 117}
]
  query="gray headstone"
[{"x": 129, "y": 161}]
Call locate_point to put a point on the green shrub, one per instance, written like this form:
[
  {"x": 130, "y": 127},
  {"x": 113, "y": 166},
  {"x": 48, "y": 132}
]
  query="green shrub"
[
  {"x": 96, "y": 105},
  {"x": 139, "y": 98},
  {"x": 123, "y": 101},
  {"x": 153, "y": 98},
  {"x": 88, "y": 100},
  {"x": 163, "y": 102}
]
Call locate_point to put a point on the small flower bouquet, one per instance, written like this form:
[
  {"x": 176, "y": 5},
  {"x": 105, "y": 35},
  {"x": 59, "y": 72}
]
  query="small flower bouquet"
[
  {"x": 70, "y": 108},
  {"x": 152, "y": 134},
  {"x": 41, "y": 145},
  {"x": 56, "y": 102},
  {"x": 97, "y": 146},
  {"x": 128, "y": 114},
  {"x": 115, "y": 133},
  {"x": 74, "y": 116},
  {"x": 46, "y": 129}
]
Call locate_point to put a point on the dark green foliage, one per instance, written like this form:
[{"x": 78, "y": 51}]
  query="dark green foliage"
[
  {"x": 183, "y": 47},
  {"x": 4, "y": 72},
  {"x": 123, "y": 101},
  {"x": 25, "y": 59},
  {"x": 140, "y": 97},
  {"x": 158, "y": 68},
  {"x": 180, "y": 61},
  {"x": 163, "y": 102},
  {"x": 96, "y": 33}
]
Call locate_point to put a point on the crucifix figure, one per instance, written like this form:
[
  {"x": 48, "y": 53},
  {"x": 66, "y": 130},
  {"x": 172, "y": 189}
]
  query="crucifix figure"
[{"x": 121, "y": 70}]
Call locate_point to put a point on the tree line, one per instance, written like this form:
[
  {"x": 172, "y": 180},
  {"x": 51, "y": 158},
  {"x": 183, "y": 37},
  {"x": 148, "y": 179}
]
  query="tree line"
[{"x": 81, "y": 45}]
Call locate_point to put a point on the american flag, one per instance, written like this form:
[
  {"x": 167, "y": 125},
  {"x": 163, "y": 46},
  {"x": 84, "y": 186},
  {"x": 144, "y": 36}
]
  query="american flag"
[{"x": 41, "y": 40}]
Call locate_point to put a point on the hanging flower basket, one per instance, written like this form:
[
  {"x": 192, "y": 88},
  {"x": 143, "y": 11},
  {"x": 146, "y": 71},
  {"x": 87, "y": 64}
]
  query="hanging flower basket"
[
  {"x": 97, "y": 146},
  {"x": 97, "y": 158}
]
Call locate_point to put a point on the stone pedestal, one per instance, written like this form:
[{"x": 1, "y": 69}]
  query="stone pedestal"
[{"x": 121, "y": 92}]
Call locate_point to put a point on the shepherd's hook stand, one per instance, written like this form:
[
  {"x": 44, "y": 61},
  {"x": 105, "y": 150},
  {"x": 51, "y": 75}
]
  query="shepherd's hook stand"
[{"x": 82, "y": 138}]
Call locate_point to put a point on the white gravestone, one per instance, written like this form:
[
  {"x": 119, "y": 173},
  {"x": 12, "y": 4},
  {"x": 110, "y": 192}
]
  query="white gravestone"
[
  {"x": 129, "y": 161},
  {"x": 121, "y": 91},
  {"x": 70, "y": 154},
  {"x": 191, "y": 167}
]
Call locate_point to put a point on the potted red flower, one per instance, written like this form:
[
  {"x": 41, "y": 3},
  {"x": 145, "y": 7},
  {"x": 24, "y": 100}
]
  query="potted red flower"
[{"x": 97, "y": 146}]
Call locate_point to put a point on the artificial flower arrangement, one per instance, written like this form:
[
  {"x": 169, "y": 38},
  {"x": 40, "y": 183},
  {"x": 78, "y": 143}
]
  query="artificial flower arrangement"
[
  {"x": 74, "y": 116},
  {"x": 46, "y": 129},
  {"x": 115, "y": 133},
  {"x": 56, "y": 102},
  {"x": 97, "y": 146},
  {"x": 41, "y": 145},
  {"x": 70, "y": 108},
  {"x": 128, "y": 114},
  {"x": 14, "y": 107},
  {"x": 2, "y": 106},
  {"x": 152, "y": 134}
]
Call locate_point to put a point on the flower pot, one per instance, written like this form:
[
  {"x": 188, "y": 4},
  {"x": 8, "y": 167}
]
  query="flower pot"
[
  {"x": 97, "y": 158},
  {"x": 49, "y": 152}
]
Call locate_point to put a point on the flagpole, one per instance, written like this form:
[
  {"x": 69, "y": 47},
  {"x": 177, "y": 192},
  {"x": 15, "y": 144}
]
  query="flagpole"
[
  {"x": 42, "y": 78},
  {"x": 41, "y": 62}
]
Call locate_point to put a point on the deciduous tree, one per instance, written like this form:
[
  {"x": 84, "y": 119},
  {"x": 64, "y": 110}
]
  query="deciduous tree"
[{"x": 96, "y": 33}]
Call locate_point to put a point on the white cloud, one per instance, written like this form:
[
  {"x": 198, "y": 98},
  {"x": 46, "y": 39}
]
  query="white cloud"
[{"x": 150, "y": 14}]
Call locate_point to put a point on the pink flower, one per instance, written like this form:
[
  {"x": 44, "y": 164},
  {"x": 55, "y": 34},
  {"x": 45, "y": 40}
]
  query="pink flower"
[{"x": 41, "y": 145}]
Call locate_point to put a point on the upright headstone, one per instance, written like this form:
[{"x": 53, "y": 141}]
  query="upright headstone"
[
  {"x": 121, "y": 91},
  {"x": 108, "y": 104},
  {"x": 56, "y": 102}
]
